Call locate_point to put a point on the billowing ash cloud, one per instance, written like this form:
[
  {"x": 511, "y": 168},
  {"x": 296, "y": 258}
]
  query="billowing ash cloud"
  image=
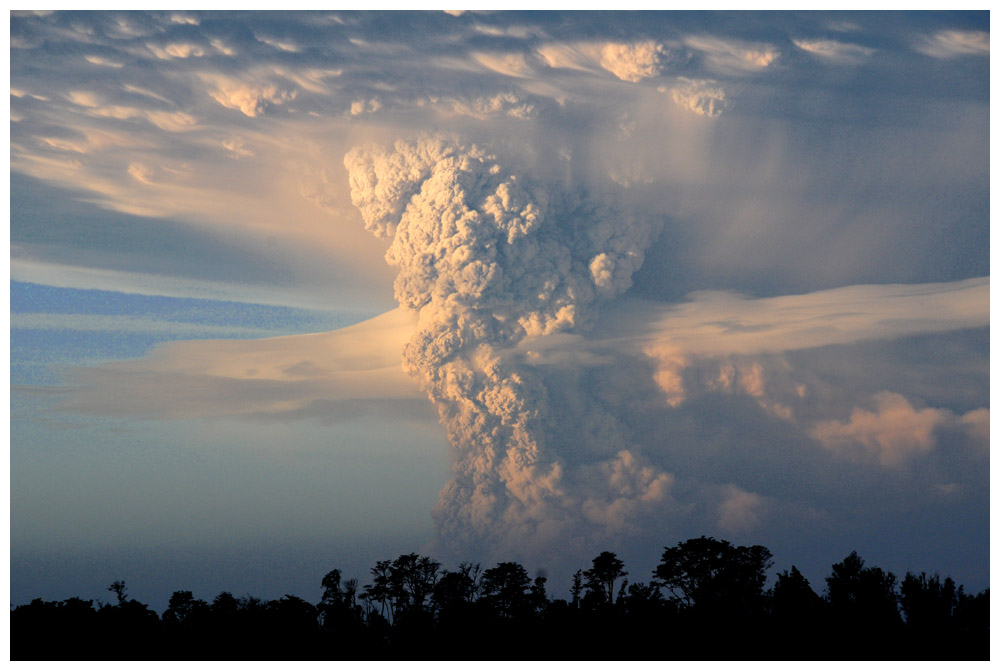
[{"x": 488, "y": 259}]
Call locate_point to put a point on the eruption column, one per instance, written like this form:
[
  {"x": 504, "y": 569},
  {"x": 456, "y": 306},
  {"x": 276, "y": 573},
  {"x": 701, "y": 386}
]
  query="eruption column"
[{"x": 487, "y": 259}]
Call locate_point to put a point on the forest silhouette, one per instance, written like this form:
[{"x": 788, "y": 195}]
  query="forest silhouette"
[{"x": 706, "y": 599}]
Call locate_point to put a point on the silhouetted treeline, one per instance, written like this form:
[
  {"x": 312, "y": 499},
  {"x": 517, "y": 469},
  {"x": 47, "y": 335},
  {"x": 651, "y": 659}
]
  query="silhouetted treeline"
[{"x": 705, "y": 600}]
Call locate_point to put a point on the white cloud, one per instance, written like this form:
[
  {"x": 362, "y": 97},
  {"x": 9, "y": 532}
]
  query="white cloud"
[
  {"x": 176, "y": 50},
  {"x": 253, "y": 98},
  {"x": 734, "y": 345},
  {"x": 128, "y": 27},
  {"x": 281, "y": 45},
  {"x": 624, "y": 489},
  {"x": 510, "y": 64},
  {"x": 721, "y": 323},
  {"x": 976, "y": 424},
  {"x": 99, "y": 60},
  {"x": 519, "y": 32},
  {"x": 955, "y": 43},
  {"x": 89, "y": 140},
  {"x": 237, "y": 147},
  {"x": 327, "y": 375},
  {"x": 142, "y": 173},
  {"x": 836, "y": 52},
  {"x": 508, "y": 104},
  {"x": 132, "y": 88},
  {"x": 704, "y": 97},
  {"x": 370, "y": 106},
  {"x": 222, "y": 47},
  {"x": 895, "y": 432},
  {"x": 309, "y": 79},
  {"x": 740, "y": 511},
  {"x": 20, "y": 93},
  {"x": 173, "y": 122},
  {"x": 843, "y": 26},
  {"x": 582, "y": 56},
  {"x": 19, "y": 42},
  {"x": 629, "y": 61},
  {"x": 733, "y": 56},
  {"x": 632, "y": 62},
  {"x": 83, "y": 98}
]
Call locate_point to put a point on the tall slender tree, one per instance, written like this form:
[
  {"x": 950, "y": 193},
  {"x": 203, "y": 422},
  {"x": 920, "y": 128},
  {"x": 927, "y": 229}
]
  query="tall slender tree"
[{"x": 607, "y": 568}]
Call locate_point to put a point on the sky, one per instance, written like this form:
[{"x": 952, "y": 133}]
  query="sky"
[{"x": 301, "y": 291}]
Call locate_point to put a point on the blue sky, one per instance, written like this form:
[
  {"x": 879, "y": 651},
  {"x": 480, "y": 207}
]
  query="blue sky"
[{"x": 627, "y": 278}]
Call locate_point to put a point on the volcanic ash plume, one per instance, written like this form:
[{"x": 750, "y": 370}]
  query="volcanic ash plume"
[{"x": 488, "y": 260}]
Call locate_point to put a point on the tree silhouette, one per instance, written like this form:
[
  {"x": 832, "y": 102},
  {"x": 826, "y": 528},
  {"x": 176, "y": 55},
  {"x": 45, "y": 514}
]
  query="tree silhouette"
[
  {"x": 224, "y": 625},
  {"x": 972, "y": 624},
  {"x": 645, "y": 607},
  {"x": 182, "y": 608},
  {"x": 938, "y": 618},
  {"x": 715, "y": 576},
  {"x": 135, "y": 625},
  {"x": 350, "y": 592},
  {"x": 411, "y": 582},
  {"x": 863, "y": 607},
  {"x": 292, "y": 620},
  {"x": 338, "y": 610},
  {"x": 703, "y": 589},
  {"x": 927, "y": 603},
  {"x": 455, "y": 589},
  {"x": 799, "y": 614},
  {"x": 332, "y": 593},
  {"x": 792, "y": 599},
  {"x": 378, "y": 592},
  {"x": 73, "y": 623},
  {"x": 536, "y": 594},
  {"x": 601, "y": 577},
  {"x": 864, "y": 596},
  {"x": 186, "y": 624},
  {"x": 577, "y": 589},
  {"x": 118, "y": 587},
  {"x": 505, "y": 588},
  {"x": 225, "y": 604}
]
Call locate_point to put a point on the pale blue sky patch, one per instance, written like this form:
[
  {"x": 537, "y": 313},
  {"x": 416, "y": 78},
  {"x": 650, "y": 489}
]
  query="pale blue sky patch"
[{"x": 55, "y": 328}]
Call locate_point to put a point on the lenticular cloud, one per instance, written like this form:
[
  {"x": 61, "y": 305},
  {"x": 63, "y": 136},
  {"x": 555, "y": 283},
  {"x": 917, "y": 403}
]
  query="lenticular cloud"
[{"x": 490, "y": 261}]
